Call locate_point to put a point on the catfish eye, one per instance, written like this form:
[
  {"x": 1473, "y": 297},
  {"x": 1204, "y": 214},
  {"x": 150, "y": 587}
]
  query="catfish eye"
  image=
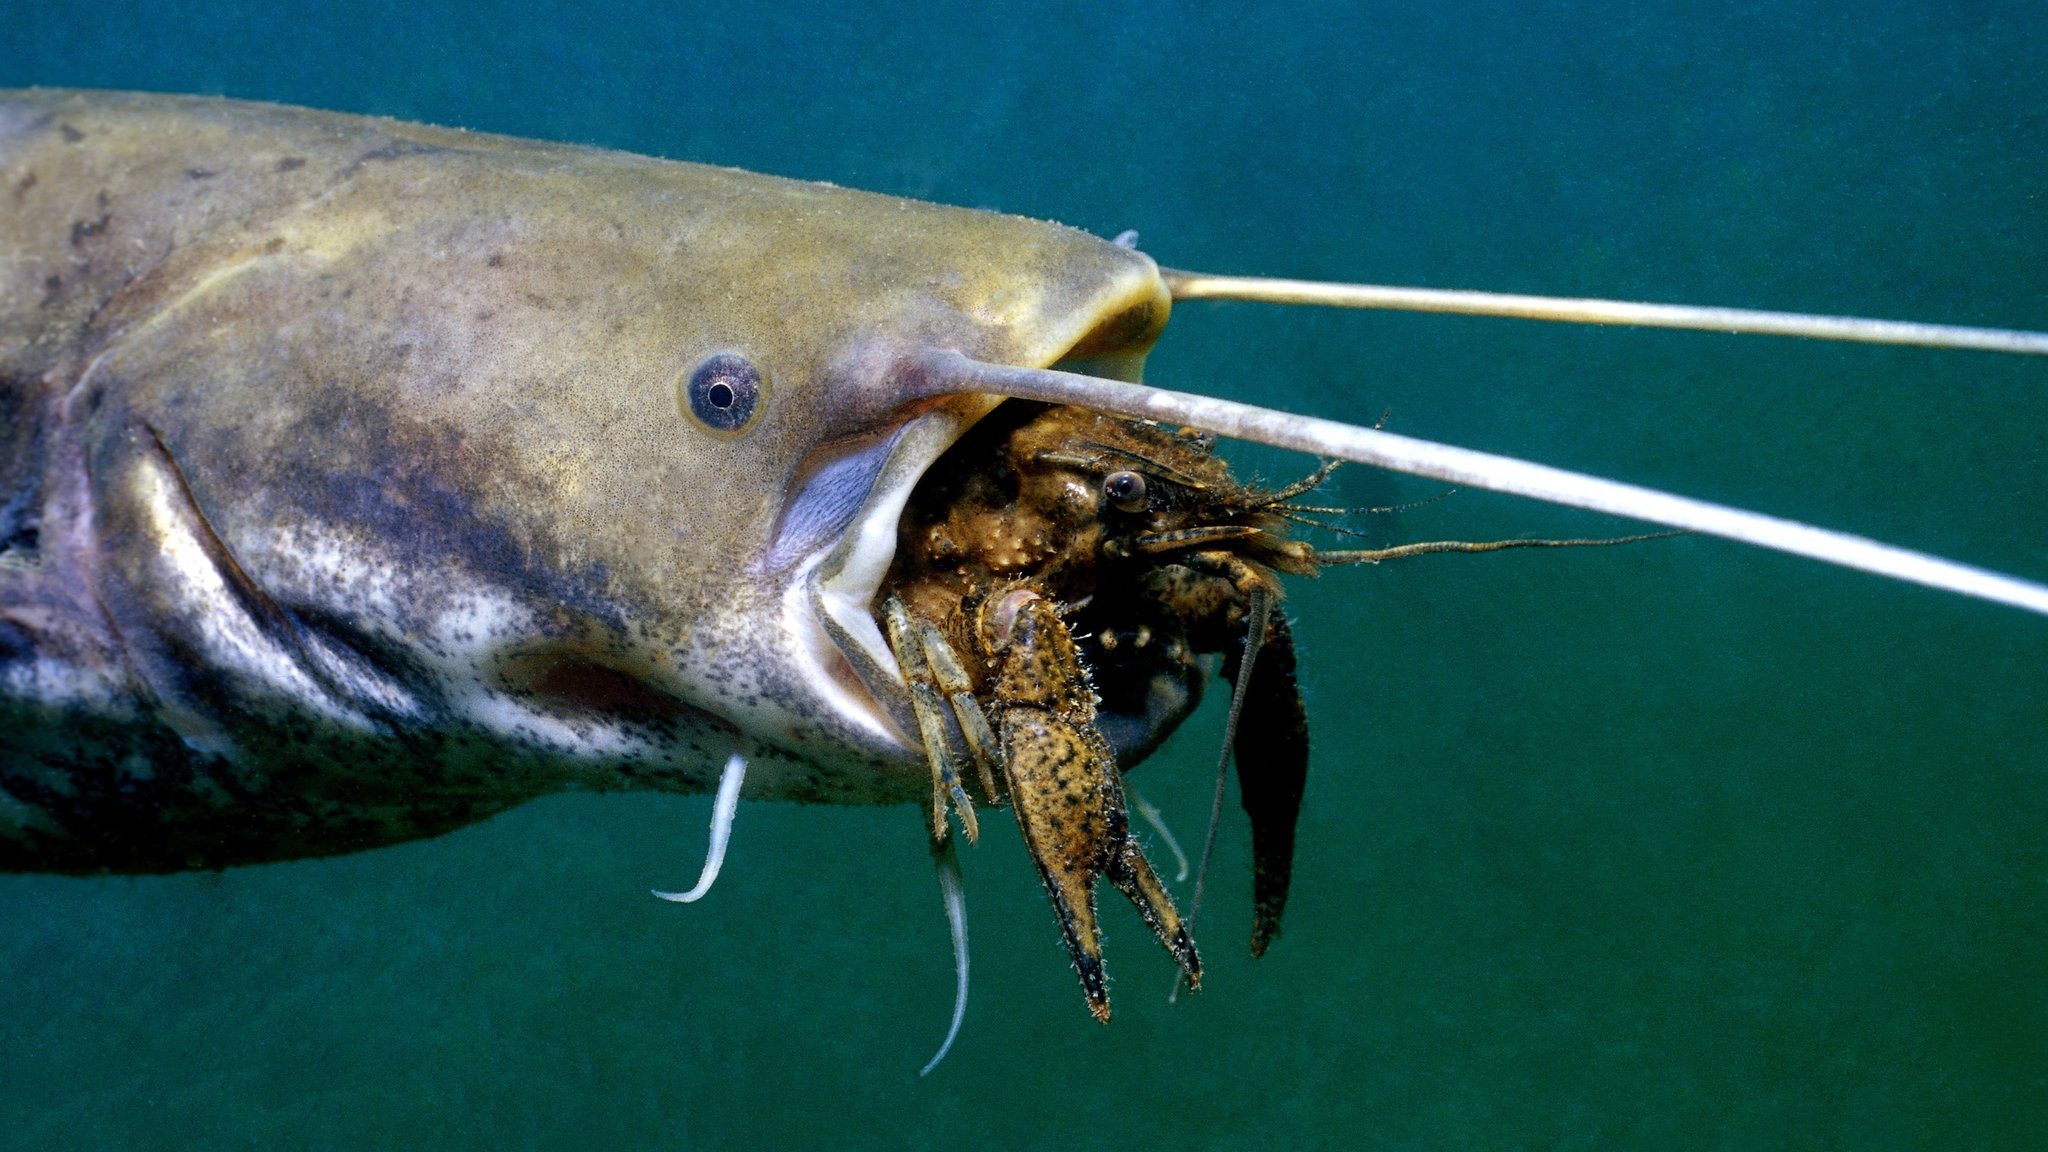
[
  {"x": 1126, "y": 490},
  {"x": 723, "y": 392}
]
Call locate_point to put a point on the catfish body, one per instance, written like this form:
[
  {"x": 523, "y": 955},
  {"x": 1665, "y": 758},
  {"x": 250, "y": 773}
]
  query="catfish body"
[{"x": 350, "y": 489}]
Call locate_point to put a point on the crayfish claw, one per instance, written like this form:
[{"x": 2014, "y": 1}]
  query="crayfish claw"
[
  {"x": 1073, "y": 905},
  {"x": 1066, "y": 791},
  {"x": 1060, "y": 804},
  {"x": 1133, "y": 876}
]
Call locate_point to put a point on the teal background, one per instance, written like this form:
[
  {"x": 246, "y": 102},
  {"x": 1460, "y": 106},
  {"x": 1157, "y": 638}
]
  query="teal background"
[{"x": 1678, "y": 845}]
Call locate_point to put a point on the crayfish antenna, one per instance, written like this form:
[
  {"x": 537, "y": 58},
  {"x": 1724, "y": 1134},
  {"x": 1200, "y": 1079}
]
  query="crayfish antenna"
[
  {"x": 1256, "y": 618},
  {"x": 1437, "y": 547},
  {"x": 1157, "y": 820}
]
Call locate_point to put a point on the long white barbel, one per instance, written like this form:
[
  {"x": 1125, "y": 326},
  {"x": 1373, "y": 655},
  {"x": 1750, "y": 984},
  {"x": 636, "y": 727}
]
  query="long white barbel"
[
  {"x": 1592, "y": 310},
  {"x": 722, "y": 811},
  {"x": 954, "y": 890},
  {"x": 946, "y": 372}
]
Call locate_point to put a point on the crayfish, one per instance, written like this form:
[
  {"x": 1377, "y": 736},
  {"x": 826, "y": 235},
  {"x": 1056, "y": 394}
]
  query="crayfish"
[
  {"x": 1059, "y": 576},
  {"x": 1062, "y": 580}
]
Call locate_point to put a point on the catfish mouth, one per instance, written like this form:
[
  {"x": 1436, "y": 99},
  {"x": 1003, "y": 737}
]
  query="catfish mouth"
[
  {"x": 838, "y": 533},
  {"x": 846, "y": 516},
  {"x": 1141, "y": 699}
]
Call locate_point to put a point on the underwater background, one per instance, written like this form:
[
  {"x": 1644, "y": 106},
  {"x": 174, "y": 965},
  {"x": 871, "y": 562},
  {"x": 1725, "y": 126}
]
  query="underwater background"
[{"x": 1680, "y": 844}]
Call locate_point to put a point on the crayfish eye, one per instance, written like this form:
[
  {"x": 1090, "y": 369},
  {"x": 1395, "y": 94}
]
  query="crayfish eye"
[{"x": 1126, "y": 490}]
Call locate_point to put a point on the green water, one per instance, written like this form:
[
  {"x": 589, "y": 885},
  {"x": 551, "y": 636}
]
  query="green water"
[{"x": 1677, "y": 845}]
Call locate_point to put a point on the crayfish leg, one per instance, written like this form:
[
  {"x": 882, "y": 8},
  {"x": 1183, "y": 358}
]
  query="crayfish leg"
[
  {"x": 953, "y": 680},
  {"x": 931, "y": 710}
]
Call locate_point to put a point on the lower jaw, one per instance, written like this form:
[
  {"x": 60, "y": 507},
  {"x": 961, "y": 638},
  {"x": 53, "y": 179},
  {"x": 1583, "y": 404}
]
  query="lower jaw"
[{"x": 841, "y": 589}]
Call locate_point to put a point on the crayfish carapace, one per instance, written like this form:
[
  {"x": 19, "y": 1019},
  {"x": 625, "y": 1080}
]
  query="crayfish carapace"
[{"x": 1060, "y": 576}]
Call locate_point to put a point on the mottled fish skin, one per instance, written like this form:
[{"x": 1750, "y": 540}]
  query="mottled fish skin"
[{"x": 345, "y": 496}]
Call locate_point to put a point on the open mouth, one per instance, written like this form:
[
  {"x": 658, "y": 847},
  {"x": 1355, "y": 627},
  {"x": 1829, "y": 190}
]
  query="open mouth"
[
  {"x": 846, "y": 516},
  {"x": 838, "y": 534}
]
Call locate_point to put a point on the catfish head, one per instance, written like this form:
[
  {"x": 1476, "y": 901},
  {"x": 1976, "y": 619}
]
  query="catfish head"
[{"x": 373, "y": 478}]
